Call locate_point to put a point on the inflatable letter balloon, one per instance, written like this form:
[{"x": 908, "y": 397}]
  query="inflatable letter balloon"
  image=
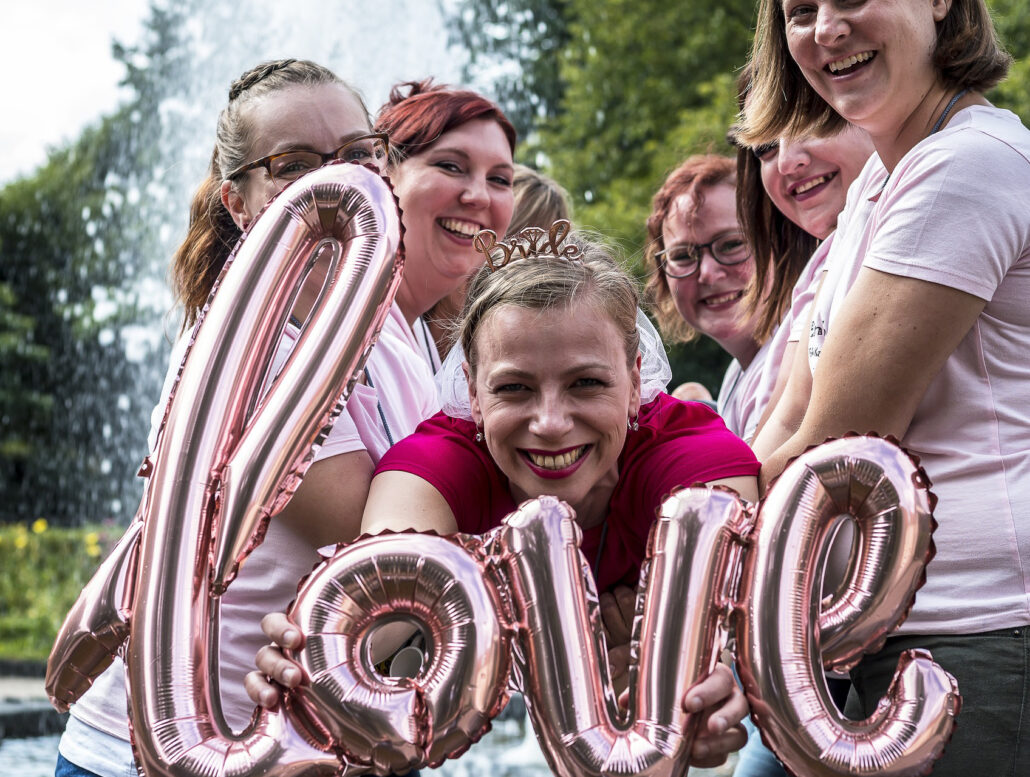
[
  {"x": 233, "y": 446},
  {"x": 678, "y": 634},
  {"x": 785, "y": 643},
  {"x": 394, "y": 724},
  {"x": 517, "y": 604}
]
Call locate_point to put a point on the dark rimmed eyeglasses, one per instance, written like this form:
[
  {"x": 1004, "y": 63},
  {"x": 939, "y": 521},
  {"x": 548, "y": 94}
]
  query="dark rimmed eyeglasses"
[
  {"x": 682, "y": 261},
  {"x": 288, "y": 166}
]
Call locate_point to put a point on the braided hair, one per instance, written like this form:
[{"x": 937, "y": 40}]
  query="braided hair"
[{"x": 212, "y": 233}]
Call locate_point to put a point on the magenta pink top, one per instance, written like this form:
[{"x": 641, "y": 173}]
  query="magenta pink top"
[{"x": 678, "y": 444}]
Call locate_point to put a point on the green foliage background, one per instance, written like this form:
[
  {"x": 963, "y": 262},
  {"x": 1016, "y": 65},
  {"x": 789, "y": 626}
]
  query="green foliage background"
[
  {"x": 632, "y": 88},
  {"x": 44, "y": 567}
]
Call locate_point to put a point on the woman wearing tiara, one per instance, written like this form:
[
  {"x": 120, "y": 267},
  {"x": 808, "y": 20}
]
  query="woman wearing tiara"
[{"x": 560, "y": 393}]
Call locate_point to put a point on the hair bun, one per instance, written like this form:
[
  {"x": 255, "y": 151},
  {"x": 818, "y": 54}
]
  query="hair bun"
[{"x": 408, "y": 89}]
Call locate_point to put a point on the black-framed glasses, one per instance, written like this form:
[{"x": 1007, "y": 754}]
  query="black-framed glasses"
[
  {"x": 288, "y": 166},
  {"x": 682, "y": 261}
]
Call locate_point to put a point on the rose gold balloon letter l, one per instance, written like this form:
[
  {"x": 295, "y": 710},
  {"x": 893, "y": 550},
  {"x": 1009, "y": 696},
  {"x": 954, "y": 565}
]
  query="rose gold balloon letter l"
[{"x": 230, "y": 454}]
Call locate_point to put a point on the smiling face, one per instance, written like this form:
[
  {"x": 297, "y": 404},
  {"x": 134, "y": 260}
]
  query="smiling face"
[
  {"x": 458, "y": 186},
  {"x": 871, "y": 60},
  {"x": 553, "y": 392},
  {"x": 712, "y": 299},
  {"x": 313, "y": 118},
  {"x": 808, "y": 179}
]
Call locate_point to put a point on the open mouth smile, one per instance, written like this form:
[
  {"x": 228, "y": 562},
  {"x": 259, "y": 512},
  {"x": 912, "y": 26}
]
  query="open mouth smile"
[
  {"x": 722, "y": 299},
  {"x": 555, "y": 464},
  {"x": 849, "y": 64},
  {"x": 460, "y": 227},
  {"x": 811, "y": 184}
]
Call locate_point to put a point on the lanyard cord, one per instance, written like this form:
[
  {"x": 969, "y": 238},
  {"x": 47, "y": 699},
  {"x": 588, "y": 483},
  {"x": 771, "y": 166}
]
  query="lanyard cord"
[
  {"x": 379, "y": 405},
  {"x": 937, "y": 124},
  {"x": 429, "y": 345}
]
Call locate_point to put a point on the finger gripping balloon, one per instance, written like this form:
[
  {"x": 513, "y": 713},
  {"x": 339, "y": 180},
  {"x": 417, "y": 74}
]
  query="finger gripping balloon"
[
  {"x": 396, "y": 724},
  {"x": 564, "y": 673}
]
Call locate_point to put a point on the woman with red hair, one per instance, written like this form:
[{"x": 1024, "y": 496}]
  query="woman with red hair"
[
  {"x": 452, "y": 171},
  {"x": 451, "y": 167}
]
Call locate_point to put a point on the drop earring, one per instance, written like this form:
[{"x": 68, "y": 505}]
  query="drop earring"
[
  {"x": 479, "y": 434},
  {"x": 632, "y": 424}
]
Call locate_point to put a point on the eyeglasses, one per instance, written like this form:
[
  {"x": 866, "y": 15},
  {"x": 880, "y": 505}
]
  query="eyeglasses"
[
  {"x": 288, "y": 166},
  {"x": 683, "y": 260}
]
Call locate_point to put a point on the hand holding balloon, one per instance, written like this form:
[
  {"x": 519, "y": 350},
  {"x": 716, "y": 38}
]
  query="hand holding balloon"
[
  {"x": 272, "y": 665},
  {"x": 723, "y": 706}
]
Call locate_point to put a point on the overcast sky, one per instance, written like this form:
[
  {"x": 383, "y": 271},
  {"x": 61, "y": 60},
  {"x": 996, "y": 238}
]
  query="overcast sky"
[{"x": 61, "y": 75}]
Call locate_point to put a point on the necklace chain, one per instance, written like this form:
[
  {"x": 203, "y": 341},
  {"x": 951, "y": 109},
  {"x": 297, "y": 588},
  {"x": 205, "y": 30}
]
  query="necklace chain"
[{"x": 937, "y": 124}]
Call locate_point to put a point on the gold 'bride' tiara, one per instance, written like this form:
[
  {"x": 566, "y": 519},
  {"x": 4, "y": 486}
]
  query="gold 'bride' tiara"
[{"x": 526, "y": 243}]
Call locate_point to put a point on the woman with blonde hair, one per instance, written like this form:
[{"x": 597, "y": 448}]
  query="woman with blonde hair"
[{"x": 562, "y": 394}]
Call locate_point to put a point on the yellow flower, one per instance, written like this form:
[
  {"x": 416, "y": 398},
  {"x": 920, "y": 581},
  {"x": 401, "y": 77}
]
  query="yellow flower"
[
  {"x": 39, "y": 526},
  {"x": 21, "y": 540},
  {"x": 92, "y": 538},
  {"x": 92, "y": 551}
]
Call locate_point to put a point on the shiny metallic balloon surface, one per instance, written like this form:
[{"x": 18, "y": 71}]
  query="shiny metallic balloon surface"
[
  {"x": 787, "y": 638},
  {"x": 232, "y": 449}
]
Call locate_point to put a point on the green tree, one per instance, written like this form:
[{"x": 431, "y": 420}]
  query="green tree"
[
  {"x": 76, "y": 246},
  {"x": 517, "y": 42},
  {"x": 636, "y": 86}
]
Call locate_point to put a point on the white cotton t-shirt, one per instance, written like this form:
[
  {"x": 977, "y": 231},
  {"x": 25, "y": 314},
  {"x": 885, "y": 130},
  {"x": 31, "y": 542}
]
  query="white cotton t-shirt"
[
  {"x": 805, "y": 290},
  {"x": 738, "y": 401},
  {"x": 404, "y": 395},
  {"x": 745, "y": 393},
  {"x": 956, "y": 212}
]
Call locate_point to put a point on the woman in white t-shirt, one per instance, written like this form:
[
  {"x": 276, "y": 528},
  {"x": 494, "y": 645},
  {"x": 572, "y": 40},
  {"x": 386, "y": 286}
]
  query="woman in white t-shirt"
[
  {"x": 922, "y": 327},
  {"x": 285, "y": 118}
]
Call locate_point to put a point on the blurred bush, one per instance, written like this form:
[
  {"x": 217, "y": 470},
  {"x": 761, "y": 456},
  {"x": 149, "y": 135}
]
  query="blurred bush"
[{"x": 44, "y": 569}]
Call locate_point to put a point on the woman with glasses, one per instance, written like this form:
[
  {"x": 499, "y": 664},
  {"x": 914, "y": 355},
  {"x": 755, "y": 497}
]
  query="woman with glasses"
[
  {"x": 702, "y": 272},
  {"x": 452, "y": 175}
]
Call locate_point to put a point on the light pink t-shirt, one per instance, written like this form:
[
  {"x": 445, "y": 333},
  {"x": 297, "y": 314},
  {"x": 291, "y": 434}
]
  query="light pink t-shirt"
[
  {"x": 267, "y": 581},
  {"x": 745, "y": 393},
  {"x": 741, "y": 401},
  {"x": 956, "y": 212}
]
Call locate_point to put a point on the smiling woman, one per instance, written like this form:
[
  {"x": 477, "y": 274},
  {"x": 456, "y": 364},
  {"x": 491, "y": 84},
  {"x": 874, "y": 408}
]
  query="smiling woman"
[
  {"x": 921, "y": 326},
  {"x": 555, "y": 407},
  {"x": 452, "y": 171},
  {"x": 702, "y": 275}
]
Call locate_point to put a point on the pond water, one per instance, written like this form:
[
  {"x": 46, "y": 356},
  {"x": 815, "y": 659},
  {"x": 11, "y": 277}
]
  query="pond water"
[{"x": 508, "y": 750}]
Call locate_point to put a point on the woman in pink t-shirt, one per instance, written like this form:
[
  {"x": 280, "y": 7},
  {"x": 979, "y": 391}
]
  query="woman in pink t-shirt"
[
  {"x": 922, "y": 328},
  {"x": 555, "y": 406},
  {"x": 450, "y": 163}
]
